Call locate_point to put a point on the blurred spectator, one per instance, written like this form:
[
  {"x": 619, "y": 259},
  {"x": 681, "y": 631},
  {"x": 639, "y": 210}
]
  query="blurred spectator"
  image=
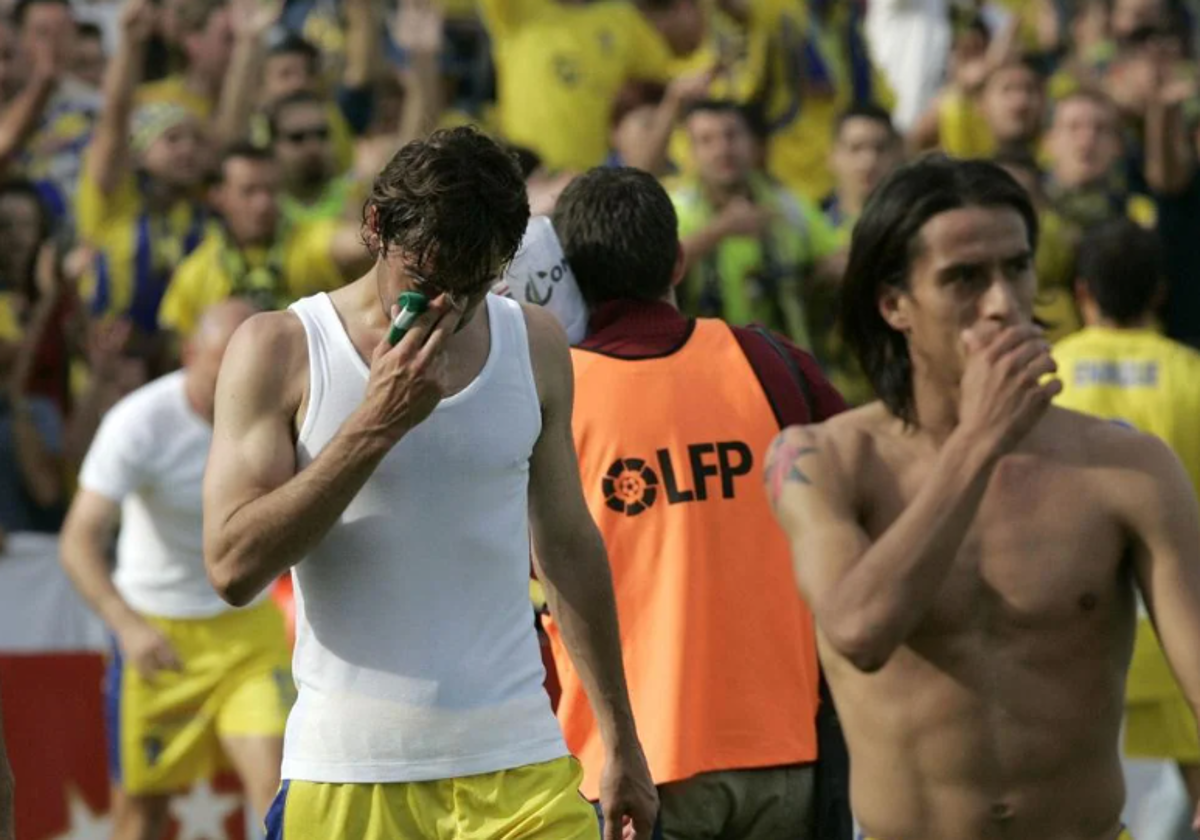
[
  {"x": 797, "y": 65},
  {"x": 263, "y": 72},
  {"x": 90, "y": 58},
  {"x": 561, "y": 67},
  {"x": 56, "y": 111},
  {"x": 35, "y": 295},
  {"x": 408, "y": 102},
  {"x": 1086, "y": 184},
  {"x": 749, "y": 245},
  {"x": 866, "y": 149},
  {"x": 205, "y": 35},
  {"x": 33, "y": 492},
  {"x": 910, "y": 41},
  {"x": 645, "y": 117},
  {"x": 1057, "y": 246},
  {"x": 254, "y": 253},
  {"x": 139, "y": 197},
  {"x": 1120, "y": 368},
  {"x": 302, "y": 142}
]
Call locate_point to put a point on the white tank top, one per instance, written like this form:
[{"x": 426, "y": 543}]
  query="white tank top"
[{"x": 416, "y": 656}]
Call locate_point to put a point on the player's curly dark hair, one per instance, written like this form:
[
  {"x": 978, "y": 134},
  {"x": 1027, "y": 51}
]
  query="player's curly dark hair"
[{"x": 454, "y": 204}]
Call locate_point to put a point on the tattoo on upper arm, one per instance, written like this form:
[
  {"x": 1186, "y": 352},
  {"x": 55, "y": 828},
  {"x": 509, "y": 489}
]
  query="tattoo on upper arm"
[{"x": 783, "y": 465}]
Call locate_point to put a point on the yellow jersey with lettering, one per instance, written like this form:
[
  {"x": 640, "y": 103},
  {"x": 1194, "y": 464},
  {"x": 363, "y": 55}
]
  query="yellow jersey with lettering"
[
  {"x": 1144, "y": 380},
  {"x": 559, "y": 69},
  {"x": 301, "y": 265},
  {"x": 1136, "y": 377}
]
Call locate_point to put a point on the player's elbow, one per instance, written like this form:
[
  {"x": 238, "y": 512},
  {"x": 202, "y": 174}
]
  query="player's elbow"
[
  {"x": 230, "y": 579},
  {"x": 859, "y": 643}
]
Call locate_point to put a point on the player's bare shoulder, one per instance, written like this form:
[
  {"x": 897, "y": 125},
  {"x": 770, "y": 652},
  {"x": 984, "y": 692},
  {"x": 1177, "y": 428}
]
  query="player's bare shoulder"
[
  {"x": 827, "y": 455},
  {"x": 1128, "y": 466},
  {"x": 269, "y": 355}
]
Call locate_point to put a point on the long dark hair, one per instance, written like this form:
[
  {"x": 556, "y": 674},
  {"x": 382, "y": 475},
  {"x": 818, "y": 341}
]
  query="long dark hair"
[{"x": 885, "y": 241}]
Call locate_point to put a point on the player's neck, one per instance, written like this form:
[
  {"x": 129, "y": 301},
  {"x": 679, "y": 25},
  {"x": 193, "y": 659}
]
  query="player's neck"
[
  {"x": 935, "y": 406},
  {"x": 1146, "y": 322}
]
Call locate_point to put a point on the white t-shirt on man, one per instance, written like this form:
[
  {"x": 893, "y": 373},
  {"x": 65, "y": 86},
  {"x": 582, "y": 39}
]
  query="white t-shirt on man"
[{"x": 149, "y": 456}]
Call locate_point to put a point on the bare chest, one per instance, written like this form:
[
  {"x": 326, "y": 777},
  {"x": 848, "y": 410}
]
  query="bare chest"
[{"x": 1043, "y": 553}]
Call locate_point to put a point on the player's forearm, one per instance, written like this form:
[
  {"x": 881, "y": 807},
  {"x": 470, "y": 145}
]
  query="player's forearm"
[
  {"x": 579, "y": 592},
  {"x": 83, "y": 558},
  {"x": 889, "y": 590},
  {"x": 262, "y": 539}
]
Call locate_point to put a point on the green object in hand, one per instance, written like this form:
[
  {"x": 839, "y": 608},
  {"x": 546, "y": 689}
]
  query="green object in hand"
[{"x": 411, "y": 304}]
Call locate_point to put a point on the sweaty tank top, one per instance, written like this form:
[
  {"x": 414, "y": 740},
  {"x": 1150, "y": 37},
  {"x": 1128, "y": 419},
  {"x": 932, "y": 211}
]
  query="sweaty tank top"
[{"x": 416, "y": 656}]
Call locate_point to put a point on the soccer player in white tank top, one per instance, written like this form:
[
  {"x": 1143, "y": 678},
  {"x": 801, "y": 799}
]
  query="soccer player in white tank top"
[{"x": 405, "y": 726}]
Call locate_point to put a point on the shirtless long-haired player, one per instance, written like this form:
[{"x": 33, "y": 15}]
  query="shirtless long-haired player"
[{"x": 970, "y": 552}]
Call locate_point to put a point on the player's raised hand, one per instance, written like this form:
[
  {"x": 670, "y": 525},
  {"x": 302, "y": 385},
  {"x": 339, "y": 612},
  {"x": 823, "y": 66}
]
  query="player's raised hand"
[
  {"x": 408, "y": 380},
  {"x": 1004, "y": 386}
]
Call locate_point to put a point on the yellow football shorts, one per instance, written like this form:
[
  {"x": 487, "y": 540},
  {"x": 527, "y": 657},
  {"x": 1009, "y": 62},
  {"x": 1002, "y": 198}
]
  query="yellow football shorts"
[
  {"x": 164, "y": 733},
  {"x": 535, "y": 802},
  {"x": 1158, "y": 721}
]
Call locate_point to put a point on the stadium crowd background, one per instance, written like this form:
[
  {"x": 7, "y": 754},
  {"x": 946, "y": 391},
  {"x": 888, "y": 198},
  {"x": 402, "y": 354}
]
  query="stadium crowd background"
[{"x": 157, "y": 156}]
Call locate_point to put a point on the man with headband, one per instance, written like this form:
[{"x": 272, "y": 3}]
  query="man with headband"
[{"x": 139, "y": 196}]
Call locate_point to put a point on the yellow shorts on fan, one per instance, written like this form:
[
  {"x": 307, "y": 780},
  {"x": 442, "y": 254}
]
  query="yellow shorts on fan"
[
  {"x": 534, "y": 802},
  {"x": 164, "y": 733}
]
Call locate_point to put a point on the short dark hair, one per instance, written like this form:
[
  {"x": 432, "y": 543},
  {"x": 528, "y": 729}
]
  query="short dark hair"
[
  {"x": 242, "y": 150},
  {"x": 619, "y": 233},
  {"x": 455, "y": 204},
  {"x": 865, "y": 111},
  {"x": 1123, "y": 267},
  {"x": 289, "y": 43},
  {"x": 21, "y": 10},
  {"x": 886, "y": 240},
  {"x": 299, "y": 97},
  {"x": 753, "y": 116},
  {"x": 87, "y": 29}
]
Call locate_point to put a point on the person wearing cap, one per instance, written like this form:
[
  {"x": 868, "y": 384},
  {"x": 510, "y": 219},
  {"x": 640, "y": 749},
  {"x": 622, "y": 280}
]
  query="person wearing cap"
[
  {"x": 672, "y": 420},
  {"x": 139, "y": 196}
]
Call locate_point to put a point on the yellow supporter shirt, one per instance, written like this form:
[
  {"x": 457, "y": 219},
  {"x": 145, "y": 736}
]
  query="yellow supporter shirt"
[
  {"x": 205, "y": 278},
  {"x": 1137, "y": 377},
  {"x": 559, "y": 69},
  {"x": 136, "y": 251}
]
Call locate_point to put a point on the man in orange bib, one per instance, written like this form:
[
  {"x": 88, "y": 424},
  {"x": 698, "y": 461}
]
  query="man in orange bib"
[{"x": 673, "y": 418}]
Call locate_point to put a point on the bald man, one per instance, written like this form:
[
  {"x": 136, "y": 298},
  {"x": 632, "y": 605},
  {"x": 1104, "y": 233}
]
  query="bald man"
[{"x": 191, "y": 681}]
